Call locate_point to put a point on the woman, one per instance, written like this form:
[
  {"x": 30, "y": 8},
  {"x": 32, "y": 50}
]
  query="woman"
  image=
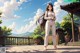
[{"x": 50, "y": 24}]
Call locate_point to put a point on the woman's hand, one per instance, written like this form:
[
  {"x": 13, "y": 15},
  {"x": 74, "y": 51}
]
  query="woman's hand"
[
  {"x": 51, "y": 15},
  {"x": 53, "y": 18}
]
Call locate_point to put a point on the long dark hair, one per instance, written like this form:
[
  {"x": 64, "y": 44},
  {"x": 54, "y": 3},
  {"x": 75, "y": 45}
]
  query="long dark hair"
[
  {"x": 42, "y": 25},
  {"x": 48, "y": 7}
]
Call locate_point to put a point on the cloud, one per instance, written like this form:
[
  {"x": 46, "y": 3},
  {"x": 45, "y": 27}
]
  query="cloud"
[
  {"x": 21, "y": 8},
  {"x": 58, "y": 11},
  {"x": 47, "y": 2},
  {"x": 9, "y": 7},
  {"x": 2, "y": 1},
  {"x": 12, "y": 26},
  {"x": 21, "y": 1},
  {"x": 32, "y": 23},
  {"x": 38, "y": 14},
  {"x": 28, "y": 19}
]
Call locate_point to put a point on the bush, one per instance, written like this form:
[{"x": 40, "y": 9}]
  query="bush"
[{"x": 38, "y": 40}]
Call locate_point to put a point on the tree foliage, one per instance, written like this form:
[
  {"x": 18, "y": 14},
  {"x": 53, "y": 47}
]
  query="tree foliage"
[
  {"x": 66, "y": 24},
  {"x": 0, "y": 21},
  {"x": 5, "y": 31},
  {"x": 39, "y": 31},
  {"x": 57, "y": 25}
]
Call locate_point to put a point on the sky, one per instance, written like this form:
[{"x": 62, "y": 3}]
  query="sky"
[{"x": 21, "y": 15}]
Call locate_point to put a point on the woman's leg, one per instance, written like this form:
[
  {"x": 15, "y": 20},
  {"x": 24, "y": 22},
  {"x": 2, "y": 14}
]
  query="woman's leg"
[
  {"x": 54, "y": 34},
  {"x": 47, "y": 29}
]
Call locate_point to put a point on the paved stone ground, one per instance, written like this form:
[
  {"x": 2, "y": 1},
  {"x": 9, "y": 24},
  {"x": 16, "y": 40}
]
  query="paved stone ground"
[{"x": 40, "y": 49}]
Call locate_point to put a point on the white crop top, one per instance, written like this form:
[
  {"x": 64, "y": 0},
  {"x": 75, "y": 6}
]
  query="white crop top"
[{"x": 49, "y": 15}]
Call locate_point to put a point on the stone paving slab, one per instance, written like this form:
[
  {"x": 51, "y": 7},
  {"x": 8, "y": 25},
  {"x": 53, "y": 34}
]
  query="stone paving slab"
[{"x": 40, "y": 49}]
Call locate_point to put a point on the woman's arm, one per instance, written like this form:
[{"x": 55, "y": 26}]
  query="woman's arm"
[
  {"x": 46, "y": 16},
  {"x": 54, "y": 17},
  {"x": 49, "y": 17}
]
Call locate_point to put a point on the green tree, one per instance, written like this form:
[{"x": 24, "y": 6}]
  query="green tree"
[
  {"x": 6, "y": 31},
  {"x": 67, "y": 26},
  {"x": 76, "y": 19},
  {"x": 0, "y": 21},
  {"x": 0, "y": 16},
  {"x": 38, "y": 40},
  {"x": 57, "y": 25},
  {"x": 39, "y": 31},
  {"x": 68, "y": 18}
]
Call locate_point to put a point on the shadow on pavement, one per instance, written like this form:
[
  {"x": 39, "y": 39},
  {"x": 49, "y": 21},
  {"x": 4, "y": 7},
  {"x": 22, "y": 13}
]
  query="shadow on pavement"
[
  {"x": 33, "y": 52},
  {"x": 59, "y": 50},
  {"x": 71, "y": 52},
  {"x": 44, "y": 52},
  {"x": 66, "y": 49}
]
